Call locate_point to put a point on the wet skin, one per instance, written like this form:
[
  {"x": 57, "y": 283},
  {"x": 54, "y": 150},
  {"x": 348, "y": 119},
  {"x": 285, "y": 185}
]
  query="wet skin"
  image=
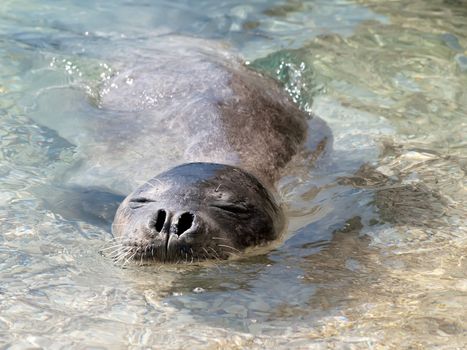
[{"x": 196, "y": 211}]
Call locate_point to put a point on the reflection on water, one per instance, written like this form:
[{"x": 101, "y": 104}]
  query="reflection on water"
[{"x": 375, "y": 256}]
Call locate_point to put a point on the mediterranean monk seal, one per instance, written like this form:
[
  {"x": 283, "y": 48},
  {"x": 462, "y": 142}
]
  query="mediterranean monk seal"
[{"x": 224, "y": 134}]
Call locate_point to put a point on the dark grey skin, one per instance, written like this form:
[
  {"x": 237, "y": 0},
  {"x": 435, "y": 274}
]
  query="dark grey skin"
[
  {"x": 234, "y": 132},
  {"x": 198, "y": 211}
]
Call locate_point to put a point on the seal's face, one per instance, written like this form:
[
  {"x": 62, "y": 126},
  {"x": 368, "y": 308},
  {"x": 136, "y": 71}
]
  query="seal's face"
[{"x": 193, "y": 212}]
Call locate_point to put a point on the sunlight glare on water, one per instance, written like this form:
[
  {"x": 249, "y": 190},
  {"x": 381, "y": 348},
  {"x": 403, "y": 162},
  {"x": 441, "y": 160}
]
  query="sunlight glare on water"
[{"x": 375, "y": 253}]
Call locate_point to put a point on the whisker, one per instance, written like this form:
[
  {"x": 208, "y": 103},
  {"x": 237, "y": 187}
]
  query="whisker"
[
  {"x": 216, "y": 259},
  {"x": 119, "y": 249},
  {"x": 149, "y": 182},
  {"x": 121, "y": 258},
  {"x": 207, "y": 254},
  {"x": 217, "y": 255},
  {"x": 227, "y": 246},
  {"x": 111, "y": 247},
  {"x": 125, "y": 255},
  {"x": 129, "y": 258},
  {"x": 115, "y": 252}
]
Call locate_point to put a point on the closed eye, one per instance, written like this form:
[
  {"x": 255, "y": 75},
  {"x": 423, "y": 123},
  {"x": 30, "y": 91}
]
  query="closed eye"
[
  {"x": 234, "y": 208},
  {"x": 139, "y": 202}
]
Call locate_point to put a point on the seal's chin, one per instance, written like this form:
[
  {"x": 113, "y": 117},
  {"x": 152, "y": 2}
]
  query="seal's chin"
[{"x": 194, "y": 212}]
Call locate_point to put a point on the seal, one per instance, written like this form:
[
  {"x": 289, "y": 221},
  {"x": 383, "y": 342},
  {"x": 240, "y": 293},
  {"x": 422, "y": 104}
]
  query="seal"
[{"x": 225, "y": 134}]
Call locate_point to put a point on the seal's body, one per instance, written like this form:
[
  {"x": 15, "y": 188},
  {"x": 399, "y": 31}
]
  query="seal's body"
[{"x": 224, "y": 134}]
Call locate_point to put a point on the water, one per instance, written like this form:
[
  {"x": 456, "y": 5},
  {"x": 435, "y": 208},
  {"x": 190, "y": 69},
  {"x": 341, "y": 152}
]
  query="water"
[{"x": 375, "y": 252}]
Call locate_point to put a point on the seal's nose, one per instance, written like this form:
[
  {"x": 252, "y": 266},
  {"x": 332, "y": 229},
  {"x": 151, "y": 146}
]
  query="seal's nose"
[
  {"x": 164, "y": 221},
  {"x": 159, "y": 220},
  {"x": 184, "y": 223}
]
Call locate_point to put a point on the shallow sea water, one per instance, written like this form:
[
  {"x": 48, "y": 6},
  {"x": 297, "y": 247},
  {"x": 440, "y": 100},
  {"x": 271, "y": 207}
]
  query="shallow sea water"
[{"x": 374, "y": 256}]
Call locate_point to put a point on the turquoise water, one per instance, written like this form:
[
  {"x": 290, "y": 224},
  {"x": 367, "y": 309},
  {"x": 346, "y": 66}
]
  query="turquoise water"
[{"x": 374, "y": 256}]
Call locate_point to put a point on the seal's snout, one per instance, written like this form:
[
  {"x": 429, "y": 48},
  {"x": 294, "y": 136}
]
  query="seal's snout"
[{"x": 174, "y": 224}]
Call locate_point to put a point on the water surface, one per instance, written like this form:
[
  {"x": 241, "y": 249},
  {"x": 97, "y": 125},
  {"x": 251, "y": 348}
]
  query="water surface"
[{"x": 375, "y": 252}]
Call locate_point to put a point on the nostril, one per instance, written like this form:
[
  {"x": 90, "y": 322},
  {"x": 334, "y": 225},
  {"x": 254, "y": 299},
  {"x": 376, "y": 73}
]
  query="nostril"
[
  {"x": 160, "y": 219},
  {"x": 184, "y": 222}
]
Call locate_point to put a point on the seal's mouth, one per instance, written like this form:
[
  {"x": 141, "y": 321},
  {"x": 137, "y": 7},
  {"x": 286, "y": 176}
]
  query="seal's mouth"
[
  {"x": 168, "y": 238},
  {"x": 125, "y": 252}
]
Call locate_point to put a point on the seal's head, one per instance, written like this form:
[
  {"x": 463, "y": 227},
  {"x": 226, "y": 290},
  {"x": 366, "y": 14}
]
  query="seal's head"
[{"x": 196, "y": 211}]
